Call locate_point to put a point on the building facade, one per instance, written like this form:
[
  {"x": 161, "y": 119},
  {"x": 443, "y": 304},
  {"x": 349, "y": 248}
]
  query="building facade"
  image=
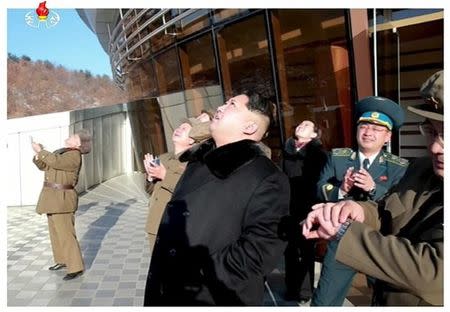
[{"x": 312, "y": 63}]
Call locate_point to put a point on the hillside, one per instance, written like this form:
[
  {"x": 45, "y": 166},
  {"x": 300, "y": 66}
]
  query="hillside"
[{"x": 40, "y": 87}]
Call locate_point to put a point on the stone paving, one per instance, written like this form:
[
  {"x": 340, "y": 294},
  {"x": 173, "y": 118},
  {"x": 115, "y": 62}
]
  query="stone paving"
[{"x": 110, "y": 225}]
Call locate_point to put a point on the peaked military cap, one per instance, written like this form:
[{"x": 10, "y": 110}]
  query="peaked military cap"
[
  {"x": 433, "y": 92},
  {"x": 200, "y": 130},
  {"x": 381, "y": 111}
]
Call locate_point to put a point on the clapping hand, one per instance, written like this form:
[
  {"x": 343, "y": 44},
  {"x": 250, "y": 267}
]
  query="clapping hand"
[
  {"x": 153, "y": 169},
  {"x": 348, "y": 181},
  {"x": 363, "y": 180}
]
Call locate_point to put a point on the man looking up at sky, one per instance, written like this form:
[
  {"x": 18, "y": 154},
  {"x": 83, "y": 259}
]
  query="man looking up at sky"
[{"x": 218, "y": 237}]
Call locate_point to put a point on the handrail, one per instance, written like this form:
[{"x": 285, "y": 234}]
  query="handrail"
[
  {"x": 119, "y": 53},
  {"x": 140, "y": 28},
  {"x": 119, "y": 24},
  {"x": 159, "y": 29},
  {"x": 128, "y": 25}
]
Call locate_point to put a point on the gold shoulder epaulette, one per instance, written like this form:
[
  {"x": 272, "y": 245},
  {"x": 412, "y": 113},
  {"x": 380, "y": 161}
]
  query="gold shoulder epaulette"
[
  {"x": 342, "y": 152},
  {"x": 396, "y": 159}
]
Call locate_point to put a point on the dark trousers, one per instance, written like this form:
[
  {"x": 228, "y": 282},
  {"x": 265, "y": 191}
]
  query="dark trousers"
[
  {"x": 335, "y": 280},
  {"x": 299, "y": 267}
]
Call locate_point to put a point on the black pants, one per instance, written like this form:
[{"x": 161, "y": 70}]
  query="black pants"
[{"x": 299, "y": 265}]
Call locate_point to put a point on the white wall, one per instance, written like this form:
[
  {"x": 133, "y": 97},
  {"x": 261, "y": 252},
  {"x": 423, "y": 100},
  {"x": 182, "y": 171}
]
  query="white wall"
[
  {"x": 24, "y": 180},
  {"x": 110, "y": 155}
]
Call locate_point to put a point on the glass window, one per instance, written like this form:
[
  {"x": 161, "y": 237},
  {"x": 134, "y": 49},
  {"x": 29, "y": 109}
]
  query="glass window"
[
  {"x": 245, "y": 57},
  {"x": 165, "y": 37},
  {"x": 198, "y": 63},
  {"x": 147, "y": 78},
  {"x": 220, "y": 15},
  {"x": 245, "y": 64},
  {"x": 147, "y": 129},
  {"x": 405, "y": 59},
  {"x": 193, "y": 23},
  {"x": 167, "y": 72},
  {"x": 313, "y": 69},
  {"x": 141, "y": 81}
]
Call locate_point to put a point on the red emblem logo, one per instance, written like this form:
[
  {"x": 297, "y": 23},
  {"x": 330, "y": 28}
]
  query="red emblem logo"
[
  {"x": 383, "y": 178},
  {"x": 42, "y": 11}
]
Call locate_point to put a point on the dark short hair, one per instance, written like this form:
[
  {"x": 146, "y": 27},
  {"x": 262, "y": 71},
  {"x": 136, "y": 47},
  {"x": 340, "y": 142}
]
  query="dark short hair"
[
  {"x": 259, "y": 103},
  {"x": 318, "y": 130}
]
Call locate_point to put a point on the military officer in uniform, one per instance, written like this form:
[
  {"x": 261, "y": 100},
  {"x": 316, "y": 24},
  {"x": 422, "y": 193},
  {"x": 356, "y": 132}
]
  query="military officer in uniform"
[
  {"x": 59, "y": 199},
  {"x": 399, "y": 240},
  {"x": 162, "y": 177},
  {"x": 363, "y": 174}
]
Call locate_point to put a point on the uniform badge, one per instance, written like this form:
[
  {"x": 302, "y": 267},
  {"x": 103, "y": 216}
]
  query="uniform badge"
[
  {"x": 375, "y": 115},
  {"x": 329, "y": 187},
  {"x": 383, "y": 178}
]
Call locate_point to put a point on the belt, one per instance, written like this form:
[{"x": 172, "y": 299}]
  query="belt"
[{"x": 58, "y": 186}]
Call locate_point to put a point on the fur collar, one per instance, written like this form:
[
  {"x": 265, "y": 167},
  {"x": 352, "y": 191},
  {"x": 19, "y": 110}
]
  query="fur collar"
[{"x": 224, "y": 160}]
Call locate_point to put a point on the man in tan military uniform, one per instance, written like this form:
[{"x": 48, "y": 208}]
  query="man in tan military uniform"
[
  {"x": 400, "y": 239},
  {"x": 59, "y": 199},
  {"x": 165, "y": 175}
]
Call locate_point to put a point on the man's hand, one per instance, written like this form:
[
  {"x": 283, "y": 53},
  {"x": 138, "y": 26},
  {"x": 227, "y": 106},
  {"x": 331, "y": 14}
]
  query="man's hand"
[
  {"x": 36, "y": 147},
  {"x": 364, "y": 180},
  {"x": 325, "y": 229},
  {"x": 148, "y": 158},
  {"x": 153, "y": 170},
  {"x": 347, "y": 182},
  {"x": 329, "y": 217}
]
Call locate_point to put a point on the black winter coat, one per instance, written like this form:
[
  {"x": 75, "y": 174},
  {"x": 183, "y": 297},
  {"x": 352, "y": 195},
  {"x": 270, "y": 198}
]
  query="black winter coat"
[
  {"x": 218, "y": 236},
  {"x": 303, "y": 168}
]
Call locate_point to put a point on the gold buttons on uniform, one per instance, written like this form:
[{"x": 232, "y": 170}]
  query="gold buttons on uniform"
[{"x": 329, "y": 187}]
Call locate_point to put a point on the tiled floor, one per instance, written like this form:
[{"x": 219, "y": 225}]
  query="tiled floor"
[{"x": 110, "y": 227}]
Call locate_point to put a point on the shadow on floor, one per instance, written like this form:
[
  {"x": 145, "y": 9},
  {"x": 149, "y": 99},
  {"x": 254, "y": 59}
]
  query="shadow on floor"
[{"x": 91, "y": 241}]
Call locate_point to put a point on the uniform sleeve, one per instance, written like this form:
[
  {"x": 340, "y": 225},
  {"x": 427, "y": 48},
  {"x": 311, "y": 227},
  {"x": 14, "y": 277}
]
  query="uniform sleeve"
[
  {"x": 258, "y": 250},
  {"x": 413, "y": 267},
  {"x": 327, "y": 191},
  {"x": 68, "y": 161},
  {"x": 173, "y": 174},
  {"x": 40, "y": 164}
]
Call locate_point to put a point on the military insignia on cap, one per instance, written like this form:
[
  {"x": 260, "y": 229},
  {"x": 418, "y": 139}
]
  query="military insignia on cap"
[
  {"x": 329, "y": 187},
  {"x": 435, "y": 103},
  {"x": 379, "y": 110}
]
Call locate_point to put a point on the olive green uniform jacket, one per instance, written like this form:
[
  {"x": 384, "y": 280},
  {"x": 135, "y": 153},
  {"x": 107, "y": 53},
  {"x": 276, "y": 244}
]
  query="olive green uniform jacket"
[
  {"x": 401, "y": 242},
  {"x": 61, "y": 167},
  {"x": 162, "y": 193},
  {"x": 386, "y": 170}
]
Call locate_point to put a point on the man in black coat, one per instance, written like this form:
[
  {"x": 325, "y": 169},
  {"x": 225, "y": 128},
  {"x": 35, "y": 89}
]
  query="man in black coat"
[
  {"x": 303, "y": 160},
  {"x": 218, "y": 236}
]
